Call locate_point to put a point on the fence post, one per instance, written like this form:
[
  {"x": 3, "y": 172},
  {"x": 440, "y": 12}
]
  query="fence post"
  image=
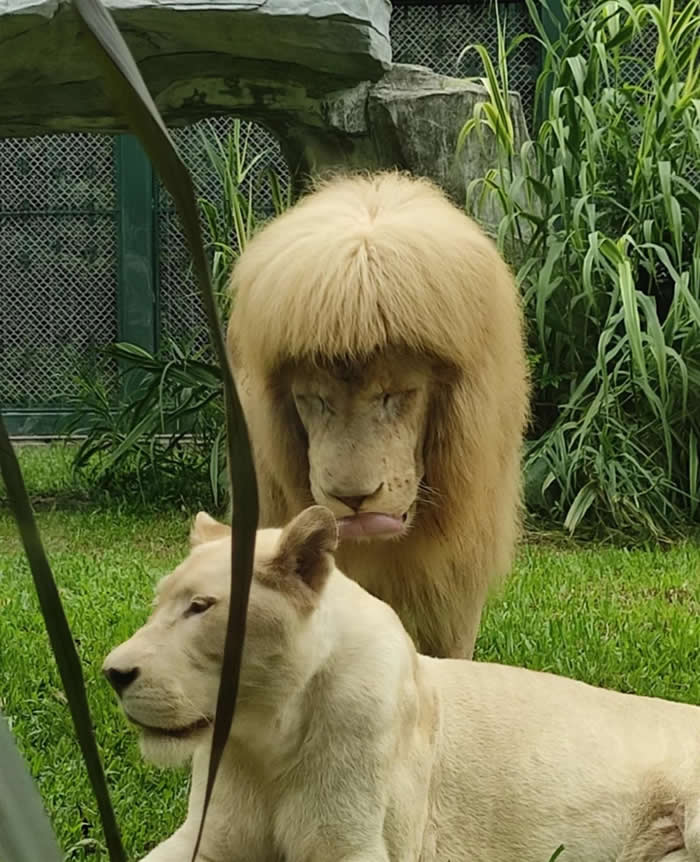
[{"x": 137, "y": 295}]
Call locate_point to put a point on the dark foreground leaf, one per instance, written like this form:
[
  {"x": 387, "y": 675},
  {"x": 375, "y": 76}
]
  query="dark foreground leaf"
[{"x": 125, "y": 83}]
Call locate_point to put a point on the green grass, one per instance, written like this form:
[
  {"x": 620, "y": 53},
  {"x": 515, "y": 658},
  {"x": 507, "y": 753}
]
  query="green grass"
[
  {"x": 627, "y": 619},
  {"x": 105, "y": 564},
  {"x": 48, "y": 475}
]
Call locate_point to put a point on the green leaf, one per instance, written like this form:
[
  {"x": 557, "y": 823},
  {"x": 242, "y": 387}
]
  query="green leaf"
[
  {"x": 582, "y": 503},
  {"x": 25, "y": 832},
  {"x": 693, "y": 471}
]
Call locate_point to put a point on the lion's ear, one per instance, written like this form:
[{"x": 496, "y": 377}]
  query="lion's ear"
[
  {"x": 207, "y": 529},
  {"x": 307, "y": 545}
]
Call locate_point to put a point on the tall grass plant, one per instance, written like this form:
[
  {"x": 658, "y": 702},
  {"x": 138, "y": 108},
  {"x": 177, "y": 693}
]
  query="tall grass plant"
[{"x": 601, "y": 218}]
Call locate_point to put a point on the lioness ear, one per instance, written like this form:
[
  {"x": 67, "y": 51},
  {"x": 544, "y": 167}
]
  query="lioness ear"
[
  {"x": 307, "y": 545},
  {"x": 206, "y": 529}
]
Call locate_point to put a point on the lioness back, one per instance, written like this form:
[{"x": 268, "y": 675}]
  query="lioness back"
[{"x": 530, "y": 761}]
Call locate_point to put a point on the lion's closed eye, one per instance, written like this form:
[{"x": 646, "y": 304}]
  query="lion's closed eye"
[
  {"x": 312, "y": 403},
  {"x": 398, "y": 399}
]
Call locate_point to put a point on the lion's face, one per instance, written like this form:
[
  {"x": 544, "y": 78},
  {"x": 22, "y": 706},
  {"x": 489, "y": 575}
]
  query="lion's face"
[
  {"x": 167, "y": 674},
  {"x": 365, "y": 427}
]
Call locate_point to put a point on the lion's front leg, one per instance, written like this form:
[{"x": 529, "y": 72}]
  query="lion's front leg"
[
  {"x": 336, "y": 808},
  {"x": 215, "y": 846},
  {"x": 374, "y": 851},
  {"x": 446, "y": 626},
  {"x": 236, "y": 841},
  {"x": 237, "y": 827},
  {"x": 177, "y": 848}
]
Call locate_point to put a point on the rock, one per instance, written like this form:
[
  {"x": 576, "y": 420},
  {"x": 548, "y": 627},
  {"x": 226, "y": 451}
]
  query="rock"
[
  {"x": 411, "y": 118},
  {"x": 415, "y": 117},
  {"x": 257, "y": 58}
]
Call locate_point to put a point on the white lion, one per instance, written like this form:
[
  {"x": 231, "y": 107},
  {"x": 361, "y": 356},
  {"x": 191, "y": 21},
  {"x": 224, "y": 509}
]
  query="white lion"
[
  {"x": 348, "y": 746},
  {"x": 377, "y": 341}
]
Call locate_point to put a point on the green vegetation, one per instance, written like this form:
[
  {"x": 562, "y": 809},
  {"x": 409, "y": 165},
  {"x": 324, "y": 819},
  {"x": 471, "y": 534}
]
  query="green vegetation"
[
  {"x": 105, "y": 564},
  {"x": 162, "y": 435},
  {"x": 601, "y": 212}
]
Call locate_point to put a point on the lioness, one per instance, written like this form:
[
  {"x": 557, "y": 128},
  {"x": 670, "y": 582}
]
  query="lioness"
[{"x": 348, "y": 746}]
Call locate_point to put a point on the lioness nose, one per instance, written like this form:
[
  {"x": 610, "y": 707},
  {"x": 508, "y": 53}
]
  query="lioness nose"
[
  {"x": 120, "y": 678},
  {"x": 355, "y": 501}
]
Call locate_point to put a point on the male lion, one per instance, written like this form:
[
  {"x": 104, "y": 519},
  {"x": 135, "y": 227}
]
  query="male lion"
[
  {"x": 347, "y": 746},
  {"x": 376, "y": 338}
]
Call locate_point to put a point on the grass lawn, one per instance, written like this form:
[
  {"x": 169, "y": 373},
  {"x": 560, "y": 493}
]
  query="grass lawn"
[{"x": 627, "y": 619}]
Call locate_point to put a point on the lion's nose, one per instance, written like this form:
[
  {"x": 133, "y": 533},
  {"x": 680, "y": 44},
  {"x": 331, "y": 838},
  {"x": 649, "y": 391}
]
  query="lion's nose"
[
  {"x": 354, "y": 501},
  {"x": 120, "y": 678}
]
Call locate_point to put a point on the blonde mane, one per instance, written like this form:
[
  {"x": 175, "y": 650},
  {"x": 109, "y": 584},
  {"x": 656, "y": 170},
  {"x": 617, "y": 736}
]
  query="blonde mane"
[
  {"x": 370, "y": 264},
  {"x": 357, "y": 256}
]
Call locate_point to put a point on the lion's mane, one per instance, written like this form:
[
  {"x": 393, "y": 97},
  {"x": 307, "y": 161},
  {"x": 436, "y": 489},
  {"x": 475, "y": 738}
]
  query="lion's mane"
[{"x": 363, "y": 265}]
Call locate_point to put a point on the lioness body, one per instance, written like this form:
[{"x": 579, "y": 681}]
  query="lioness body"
[
  {"x": 349, "y": 746},
  {"x": 377, "y": 342}
]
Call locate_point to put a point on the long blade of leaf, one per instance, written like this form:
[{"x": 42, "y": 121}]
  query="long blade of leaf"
[
  {"x": 25, "y": 832},
  {"x": 60, "y": 637},
  {"x": 124, "y": 81}
]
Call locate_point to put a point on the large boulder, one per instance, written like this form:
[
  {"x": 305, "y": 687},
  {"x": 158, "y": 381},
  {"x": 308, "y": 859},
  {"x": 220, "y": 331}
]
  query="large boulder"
[{"x": 412, "y": 118}]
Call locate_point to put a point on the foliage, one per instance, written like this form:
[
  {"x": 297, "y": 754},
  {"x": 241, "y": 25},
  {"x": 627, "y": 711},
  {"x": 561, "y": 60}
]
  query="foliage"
[
  {"x": 246, "y": 196},
  {"x": 603, "y": 211},
  {"x": 629, "y": 620},
  {"x": 163, "y": 436}
]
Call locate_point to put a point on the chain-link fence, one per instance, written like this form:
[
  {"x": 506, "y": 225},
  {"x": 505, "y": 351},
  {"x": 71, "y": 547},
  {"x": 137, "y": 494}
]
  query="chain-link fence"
[
  {"x": 58, "y": 295},
  {"x": 181, "y": 315},
  {"x": 437, "y": 35}
]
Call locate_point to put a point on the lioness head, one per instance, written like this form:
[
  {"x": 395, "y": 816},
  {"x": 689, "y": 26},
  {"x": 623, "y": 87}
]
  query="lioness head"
[
  {"x": 167, "y": 674},
  {"x": 365, "y": 426}
]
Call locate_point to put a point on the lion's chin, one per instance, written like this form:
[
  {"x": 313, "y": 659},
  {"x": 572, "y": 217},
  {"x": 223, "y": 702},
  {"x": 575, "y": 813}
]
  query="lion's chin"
[
  {"x": 171, "y": 746},
  {"x": 169, "y": 751}
]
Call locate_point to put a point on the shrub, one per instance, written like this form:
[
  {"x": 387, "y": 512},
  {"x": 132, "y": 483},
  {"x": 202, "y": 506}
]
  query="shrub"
[
  {"x": 162, "y": 437},
  {"x": 601, "y": 216}
]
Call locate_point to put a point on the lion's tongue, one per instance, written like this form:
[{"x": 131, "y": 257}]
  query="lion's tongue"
[{"x": 368, "y": 524}]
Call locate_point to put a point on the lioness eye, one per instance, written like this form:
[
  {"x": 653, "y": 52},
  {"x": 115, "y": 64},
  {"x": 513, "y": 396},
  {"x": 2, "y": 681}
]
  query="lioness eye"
[{"x": 199, "y": 604}]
